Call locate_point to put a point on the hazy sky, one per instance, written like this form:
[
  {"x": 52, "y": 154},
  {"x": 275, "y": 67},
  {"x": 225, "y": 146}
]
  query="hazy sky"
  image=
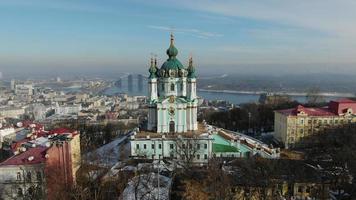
[{"x": 240, "y": 36}]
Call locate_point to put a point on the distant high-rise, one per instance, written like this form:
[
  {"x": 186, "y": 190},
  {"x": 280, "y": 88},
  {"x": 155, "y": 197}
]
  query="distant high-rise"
[
  {"x": 0, "y": 75},
  {"x": 140, "y": 82},
  {"x": 130, "y": 82},
  {"x": 13, "y": 84},
  {"x": 119, "y": 83}
]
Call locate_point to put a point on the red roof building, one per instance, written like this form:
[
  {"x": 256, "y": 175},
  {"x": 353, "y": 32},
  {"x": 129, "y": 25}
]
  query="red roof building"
[
  {"x": 343, "y": 106},
  {"x": 32, "y": 156},
  {"x": 335, "y": 108},
  {"x": 54, "y": 165},
  {"x": 291, "y": 125}
]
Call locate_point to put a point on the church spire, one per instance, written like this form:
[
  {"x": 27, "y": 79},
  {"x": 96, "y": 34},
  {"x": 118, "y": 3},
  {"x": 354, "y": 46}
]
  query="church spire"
[
  {"x": 172, "y": 51},
  {"x": 172, "y": 39},
  {"x": 191, "y": 69},
  {"x": 151, "y": 62},
  {"x": 153, "y": 68},
  {"x": 190, "y": 61}
]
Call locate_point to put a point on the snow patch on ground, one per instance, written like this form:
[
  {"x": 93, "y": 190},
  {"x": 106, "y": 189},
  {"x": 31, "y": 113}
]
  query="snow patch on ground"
[
  {"x": 108, "y": 154},
  {"x": 145, "y": 186}
]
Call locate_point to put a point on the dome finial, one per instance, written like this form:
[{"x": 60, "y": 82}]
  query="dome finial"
[
  {"x": 151, "y": 62},
  {"x": 190, "y": 60},
  {"x": 153, "y": 68},
  {"x": 172, "y": 51},
  {"x": 191, "y": 69},
  {"x": 172, "y": 39}
]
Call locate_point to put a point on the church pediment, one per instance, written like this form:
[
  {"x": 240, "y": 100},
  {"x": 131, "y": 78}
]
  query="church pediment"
[{"x": 174, "y": 100}]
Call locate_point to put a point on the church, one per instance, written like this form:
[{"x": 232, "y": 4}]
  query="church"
[
  {"x": 172, "y": 126},
  {"x": 173, "y": 101},
  {"x": 173, "y": 131}
]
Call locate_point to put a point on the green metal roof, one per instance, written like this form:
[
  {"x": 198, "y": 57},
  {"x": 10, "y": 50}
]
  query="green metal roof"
[
  {"x": 172, "y": 51},
  {"x": 153, "y": 72},
  {"x": 191, "y": 72},
  {"x": 218, "y": 148},
  {"x": 172, "y": 63}
]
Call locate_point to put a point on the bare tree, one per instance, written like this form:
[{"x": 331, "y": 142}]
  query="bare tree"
[
  {"x": 314, "y": 96},
  {"x": 194, "y": 190},
  {"x": 218, "y": 181},
  {"x": 186, "y": 150}
]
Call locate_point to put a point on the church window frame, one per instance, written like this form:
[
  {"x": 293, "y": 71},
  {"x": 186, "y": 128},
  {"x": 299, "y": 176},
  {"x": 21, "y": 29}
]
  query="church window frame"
[
  {"x": 39, "y": 176},
  {"x": 19, "y": 192},
  {"x": 18, "y": 176},
  {"x": 29, "y": 176},
  {"x": 173, "y": 87}
]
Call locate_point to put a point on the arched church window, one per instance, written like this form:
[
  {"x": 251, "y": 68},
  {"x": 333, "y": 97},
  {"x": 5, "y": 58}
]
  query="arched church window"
[
  {"x": 29, "y": 176},
  {"x": 172, "y": 87},
  {"x": 19, "y": 192},
  {"x": 163, "y": 87}
]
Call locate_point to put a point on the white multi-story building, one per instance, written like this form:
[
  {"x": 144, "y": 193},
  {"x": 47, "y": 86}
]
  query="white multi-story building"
[
  {"x": 68, "y": 109},
  {"x": 11, "y": 112},
  {"x": 5, "y": 132},
  {"x": 24, "y": 89},
  {"x": 293, "y": 126}
]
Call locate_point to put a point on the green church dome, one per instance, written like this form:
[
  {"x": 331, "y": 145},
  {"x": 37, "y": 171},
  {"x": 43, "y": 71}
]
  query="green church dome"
[
  {"x": 172, "y": 51},
  {"x": 172, "y": 62}
]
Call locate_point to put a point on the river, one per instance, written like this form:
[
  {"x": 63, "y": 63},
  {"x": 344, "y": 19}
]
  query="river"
[{"x": 235, "y": 98}]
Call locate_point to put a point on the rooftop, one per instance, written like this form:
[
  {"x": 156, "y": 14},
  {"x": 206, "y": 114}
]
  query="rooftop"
[
  {"x": 308, "y": 111},
  {"x": 335, "y": 108},
  {"x": 34, "y": 155},
  {"x": 60, "y": 131},
  {"x": 189, "y": 134}
]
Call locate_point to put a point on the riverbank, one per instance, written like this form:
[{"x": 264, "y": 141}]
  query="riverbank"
[{"x": 299, "y": 94}]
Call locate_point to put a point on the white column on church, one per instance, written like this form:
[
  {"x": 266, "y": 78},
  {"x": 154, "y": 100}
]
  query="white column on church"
[
  {"x": 152, "y": 87},
  {"x": 184, "y": 87},
  {"x": 164, "y": 120},
  {"x": 189, "y": 121},
  {"x": 193, "y": 94},
  {"x": 194, "y": 118}
]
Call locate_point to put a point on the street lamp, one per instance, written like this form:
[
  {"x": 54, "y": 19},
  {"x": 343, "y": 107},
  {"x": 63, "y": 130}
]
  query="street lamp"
[
  {"x": 158, "y": 176},
  {"x": 249, "y": 121}
]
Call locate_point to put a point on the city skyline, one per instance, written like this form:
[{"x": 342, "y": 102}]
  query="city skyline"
[{"x": 120, "y": 36}]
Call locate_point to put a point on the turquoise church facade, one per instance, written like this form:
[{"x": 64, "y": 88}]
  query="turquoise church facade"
[{"x": 173, "y": 101}]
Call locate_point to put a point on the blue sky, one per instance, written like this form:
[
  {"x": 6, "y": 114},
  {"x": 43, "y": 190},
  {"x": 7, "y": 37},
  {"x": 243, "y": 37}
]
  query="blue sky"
[{"x": 239, "y": 36}]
